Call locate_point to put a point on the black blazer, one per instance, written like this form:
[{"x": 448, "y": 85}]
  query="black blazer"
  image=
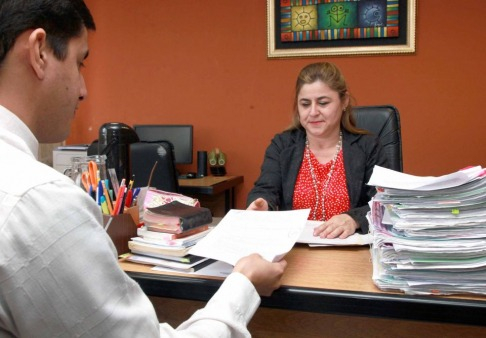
[{"x": 283, "y": 159}]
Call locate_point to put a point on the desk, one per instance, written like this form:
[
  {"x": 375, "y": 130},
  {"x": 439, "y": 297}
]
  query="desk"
[
  {"x": 321, "y": 281},
  {"x": 208, "y": 188}
]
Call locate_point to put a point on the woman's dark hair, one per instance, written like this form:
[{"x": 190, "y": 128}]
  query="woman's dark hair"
[{"x": 61, "y": 19}]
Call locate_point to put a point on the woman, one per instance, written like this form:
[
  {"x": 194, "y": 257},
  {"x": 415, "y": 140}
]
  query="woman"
[{"x": 323, "y": 161}]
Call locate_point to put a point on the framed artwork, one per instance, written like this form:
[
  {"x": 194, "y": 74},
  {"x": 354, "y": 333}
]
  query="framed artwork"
[{"x": 306, "y": 28}]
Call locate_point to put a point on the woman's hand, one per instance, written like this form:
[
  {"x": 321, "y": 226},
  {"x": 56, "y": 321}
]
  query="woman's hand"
[
  {"x": 259, "y": 204},
  {"x": 340, "y": 226}
]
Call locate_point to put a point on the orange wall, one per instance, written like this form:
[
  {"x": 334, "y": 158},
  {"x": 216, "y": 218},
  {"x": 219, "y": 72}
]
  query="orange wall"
[{"x": 204, "y": 63}]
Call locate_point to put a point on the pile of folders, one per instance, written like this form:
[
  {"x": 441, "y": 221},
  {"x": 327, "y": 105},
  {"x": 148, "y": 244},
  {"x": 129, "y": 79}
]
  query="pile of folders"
[
  {"x": 430, "y": 238},
  {"x": 169, "y": 231}
]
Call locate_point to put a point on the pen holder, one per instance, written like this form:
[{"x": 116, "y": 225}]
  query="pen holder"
[{"x": 121, "y": 228}]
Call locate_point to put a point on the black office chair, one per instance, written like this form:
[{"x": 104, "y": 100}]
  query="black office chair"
[
  {"x": 383, "y": 121},
  {"x": 156, "y": 156}
]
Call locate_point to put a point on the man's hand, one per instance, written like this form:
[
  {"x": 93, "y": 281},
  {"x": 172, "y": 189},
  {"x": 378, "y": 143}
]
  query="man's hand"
[
  {"x": 259, "y": 204},
  {"x": 265, "y": 276},
  {"x": 340, "y": 226}
]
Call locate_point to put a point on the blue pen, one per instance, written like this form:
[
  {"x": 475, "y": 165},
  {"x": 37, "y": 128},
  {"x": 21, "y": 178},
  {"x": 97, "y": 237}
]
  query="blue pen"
[
  {"x": 99, "y": 192},
  {"x": 135, "y": 194},
  {"x": 91, "y": 192}
]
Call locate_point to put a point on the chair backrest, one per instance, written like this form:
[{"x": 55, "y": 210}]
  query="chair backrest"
[
  {"x": 384, "y": 122},
  {"x": 154, "y": 163}
]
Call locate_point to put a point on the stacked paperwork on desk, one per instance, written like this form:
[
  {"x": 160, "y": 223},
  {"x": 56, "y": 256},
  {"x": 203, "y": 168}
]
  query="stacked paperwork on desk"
[{"x": 429, "y": 233}]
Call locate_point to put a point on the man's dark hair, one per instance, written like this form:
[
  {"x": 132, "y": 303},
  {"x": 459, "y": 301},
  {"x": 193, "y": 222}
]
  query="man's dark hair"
[{"x": 61, "y": 19}]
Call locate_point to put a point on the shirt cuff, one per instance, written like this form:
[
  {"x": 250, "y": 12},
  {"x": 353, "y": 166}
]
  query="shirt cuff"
[
  {"x": 241, "y": 295},
  {"x": 233, "y": 305}
]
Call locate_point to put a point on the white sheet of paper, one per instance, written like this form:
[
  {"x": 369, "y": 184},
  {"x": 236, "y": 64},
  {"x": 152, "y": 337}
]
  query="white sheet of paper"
[
  {"x": 242, "y": 232},
  {"x": 216, "y": 269},
  {"x": 387, "y": 178},
  {"x": 308, "y": 237}
]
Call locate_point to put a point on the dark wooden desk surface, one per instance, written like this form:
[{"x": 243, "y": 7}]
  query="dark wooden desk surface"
[
  {"x": 209, "y": 185},
  {"x": 325, "y": 280}
]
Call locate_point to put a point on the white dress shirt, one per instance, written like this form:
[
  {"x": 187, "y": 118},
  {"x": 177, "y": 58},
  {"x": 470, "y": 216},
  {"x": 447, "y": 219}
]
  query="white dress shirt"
[{"x": 59, "y": 273}]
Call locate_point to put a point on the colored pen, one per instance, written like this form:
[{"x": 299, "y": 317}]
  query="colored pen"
[
  {"x": 128, "y": 198},
  {"x": 104, "y": 207},
  {"x": 122, "y": 204},
  {"x": 107, "y": 198},
  {"x": 130, "y": 184},
  {"x": 135, "y": 193},
  {"x": 99, "y": 192},
  {"x": 92, "y": 193},
  {"x": 119, "y": 197}
]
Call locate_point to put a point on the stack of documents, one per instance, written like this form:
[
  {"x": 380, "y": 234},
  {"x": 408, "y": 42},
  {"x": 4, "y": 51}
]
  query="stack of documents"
[
  {"x": 169, "y": 232},
  {"x": 429, "y": 233},
  {"x": 172, "y": 253}
]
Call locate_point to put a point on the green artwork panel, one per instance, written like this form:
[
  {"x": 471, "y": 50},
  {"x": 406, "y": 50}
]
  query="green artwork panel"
[{"x": 337, "y": 15}]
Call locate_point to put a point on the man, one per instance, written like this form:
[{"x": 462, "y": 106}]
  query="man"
[{"x": 59, "y": 274}]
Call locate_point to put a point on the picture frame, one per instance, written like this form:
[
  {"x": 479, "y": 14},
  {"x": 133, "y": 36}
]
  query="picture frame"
[{"x": 311, "y": 28}]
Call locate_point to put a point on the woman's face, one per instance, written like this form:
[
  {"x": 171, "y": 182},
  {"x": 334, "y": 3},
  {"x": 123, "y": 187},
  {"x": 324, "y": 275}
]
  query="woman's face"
[{"x": 320, "y": 109}]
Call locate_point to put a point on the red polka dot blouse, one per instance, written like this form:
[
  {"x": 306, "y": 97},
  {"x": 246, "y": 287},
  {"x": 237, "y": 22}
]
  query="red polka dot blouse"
[{"x": 336, "y": 199}]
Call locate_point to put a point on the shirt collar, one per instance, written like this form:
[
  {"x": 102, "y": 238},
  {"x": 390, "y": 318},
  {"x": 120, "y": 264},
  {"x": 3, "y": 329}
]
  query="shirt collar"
[{"x": 17, "y": 132}]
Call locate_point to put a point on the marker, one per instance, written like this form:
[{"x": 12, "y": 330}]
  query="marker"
[
  {"x": 128, "y": 198},
  {"x": 99, "y": 192},
  {"x": 122, "y": 204},
  {"x": 119, "y": 197},
  {"x": 107, "y": 198},
  {"x": 104, "y": 206}
]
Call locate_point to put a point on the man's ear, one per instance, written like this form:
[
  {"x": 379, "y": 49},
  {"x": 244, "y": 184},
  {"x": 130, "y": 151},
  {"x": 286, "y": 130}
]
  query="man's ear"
[{"x": 38, "y": 51}]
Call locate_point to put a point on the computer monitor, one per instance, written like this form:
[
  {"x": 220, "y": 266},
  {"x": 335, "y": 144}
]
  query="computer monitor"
[{"x": 180, "y": 135}]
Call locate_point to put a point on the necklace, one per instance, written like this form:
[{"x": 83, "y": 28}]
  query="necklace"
[{"x": 328, "y": 178}]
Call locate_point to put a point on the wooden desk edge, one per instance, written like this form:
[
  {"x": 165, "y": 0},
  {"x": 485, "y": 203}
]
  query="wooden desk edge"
[
  {"x": 194, "y": 186},
  {"x": 209, "y": 180},
  {"x": 375, "y": 304}
]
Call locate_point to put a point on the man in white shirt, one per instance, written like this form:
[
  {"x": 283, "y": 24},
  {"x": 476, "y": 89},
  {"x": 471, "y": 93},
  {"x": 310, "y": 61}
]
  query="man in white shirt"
[{"x": 59, "y": 274}]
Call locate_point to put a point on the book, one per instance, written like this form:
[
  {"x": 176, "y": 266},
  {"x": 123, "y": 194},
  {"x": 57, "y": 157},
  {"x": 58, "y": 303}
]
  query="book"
[
  {"x": 151, "y": 249},
  {"x": 184, "y": 259},
  {"x": 165, "y": 236},
  {"x": 176, "y": 217},
  {"x": 173, "y": 265},
  {"x": 150, "y": 237},
  {"x": 164, "y": 244}
]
